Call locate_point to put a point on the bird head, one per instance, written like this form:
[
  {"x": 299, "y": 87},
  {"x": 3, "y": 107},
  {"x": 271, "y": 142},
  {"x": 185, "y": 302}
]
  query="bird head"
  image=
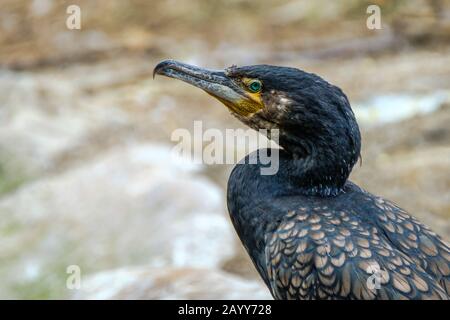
[{"x": 313, "y": 117}]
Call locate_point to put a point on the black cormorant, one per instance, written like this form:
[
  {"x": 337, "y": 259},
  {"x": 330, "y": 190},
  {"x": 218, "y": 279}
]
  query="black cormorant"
[{"x": 310, "y": 232}]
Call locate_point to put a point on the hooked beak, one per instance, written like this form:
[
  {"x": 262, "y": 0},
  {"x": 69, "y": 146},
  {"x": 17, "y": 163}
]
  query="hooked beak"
[{"x": 214, "y": 82}]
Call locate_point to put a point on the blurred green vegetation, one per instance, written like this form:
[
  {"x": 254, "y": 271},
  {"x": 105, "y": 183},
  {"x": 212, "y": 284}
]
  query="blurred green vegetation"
[{"x": 10, "y": 179}]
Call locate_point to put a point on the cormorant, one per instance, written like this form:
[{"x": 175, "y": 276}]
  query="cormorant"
[{"x": 310, "y": 232}]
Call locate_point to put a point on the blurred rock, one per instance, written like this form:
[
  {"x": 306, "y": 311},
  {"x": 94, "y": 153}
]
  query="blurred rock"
[
  {"x": 170, "y": 283},
  {"x": 382, "y": 109},
  {"x": 132, "y": 205},
  {"x": 41, "y": 7},
  {"x": 51, "y": 119}
]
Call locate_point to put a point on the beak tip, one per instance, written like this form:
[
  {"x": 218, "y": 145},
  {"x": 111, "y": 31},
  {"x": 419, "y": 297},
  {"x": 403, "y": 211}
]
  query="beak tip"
[{"x": 163, "y": 66}]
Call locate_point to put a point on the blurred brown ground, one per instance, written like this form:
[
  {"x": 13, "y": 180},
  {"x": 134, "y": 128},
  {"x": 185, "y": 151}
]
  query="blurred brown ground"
[{"x": 72, "y": 96}]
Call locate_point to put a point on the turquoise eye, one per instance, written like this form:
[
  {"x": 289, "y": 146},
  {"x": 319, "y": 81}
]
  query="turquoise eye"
[{"x": 255, "y": 86}]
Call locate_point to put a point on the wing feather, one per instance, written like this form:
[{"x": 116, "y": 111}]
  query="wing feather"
[{"x": 335, "y": 255}]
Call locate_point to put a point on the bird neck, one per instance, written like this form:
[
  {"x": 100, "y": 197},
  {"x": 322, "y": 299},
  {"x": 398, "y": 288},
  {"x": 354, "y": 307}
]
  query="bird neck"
[{"x": 319, "y": 165}]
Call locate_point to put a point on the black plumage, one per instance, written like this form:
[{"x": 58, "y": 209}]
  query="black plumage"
[{"x": 310, "y": 232}]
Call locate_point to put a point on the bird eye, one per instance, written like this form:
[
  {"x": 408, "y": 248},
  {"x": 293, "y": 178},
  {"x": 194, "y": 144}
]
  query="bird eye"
[{"x": 254, "y": 86}]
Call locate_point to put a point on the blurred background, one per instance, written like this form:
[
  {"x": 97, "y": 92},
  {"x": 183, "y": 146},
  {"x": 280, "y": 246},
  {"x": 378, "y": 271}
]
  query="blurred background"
[{"x": 86, "y": 176}]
